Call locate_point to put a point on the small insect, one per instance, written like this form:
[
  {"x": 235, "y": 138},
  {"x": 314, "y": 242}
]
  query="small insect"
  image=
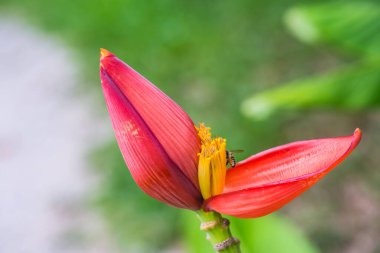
[{"x": 231, "y": 158}]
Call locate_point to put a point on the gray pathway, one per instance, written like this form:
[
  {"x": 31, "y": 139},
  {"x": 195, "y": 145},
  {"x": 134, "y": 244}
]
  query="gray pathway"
[{"x": 46, "y": 130}]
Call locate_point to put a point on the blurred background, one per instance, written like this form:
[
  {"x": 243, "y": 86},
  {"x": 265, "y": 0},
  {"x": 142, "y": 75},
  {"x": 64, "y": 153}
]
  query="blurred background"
[{"x": 260, "y": 73}]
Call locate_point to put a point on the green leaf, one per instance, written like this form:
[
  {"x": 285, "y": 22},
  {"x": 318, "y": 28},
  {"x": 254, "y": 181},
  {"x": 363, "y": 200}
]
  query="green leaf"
[
  {"x": 355, "y": 88},
  {"x": 262, "y": 235},
  {"x": 353, "y": 26}
]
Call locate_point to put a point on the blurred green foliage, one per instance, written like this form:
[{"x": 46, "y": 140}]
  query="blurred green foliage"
[
  {"x": 351, "y": 89},
  {"x": 206, "y": 55},
  {"x": 140, "y": 223},
  {"x": 351, "y": 28}
]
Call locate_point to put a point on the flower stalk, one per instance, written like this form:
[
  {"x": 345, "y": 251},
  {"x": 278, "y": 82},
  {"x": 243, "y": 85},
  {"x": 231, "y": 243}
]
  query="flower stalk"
[{"x": 218, "y": 232}]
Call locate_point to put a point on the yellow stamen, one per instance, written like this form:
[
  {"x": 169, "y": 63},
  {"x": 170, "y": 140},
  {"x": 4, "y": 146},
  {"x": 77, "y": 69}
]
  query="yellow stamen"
[{"x": 212, "y": 163}]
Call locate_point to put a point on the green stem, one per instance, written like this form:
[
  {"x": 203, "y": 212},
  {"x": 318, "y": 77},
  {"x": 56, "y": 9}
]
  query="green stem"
[{"x": 218, "y": 232}]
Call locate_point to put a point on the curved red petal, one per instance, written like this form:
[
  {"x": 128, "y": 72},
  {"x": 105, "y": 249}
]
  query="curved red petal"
[
  {"x": 151, "y": 167},
  {"x": 291, "y": 161},
  {"x": 258, "y": 201},
  {"x": 267, "y": 181},
  {"x": 167, "y": 120}
]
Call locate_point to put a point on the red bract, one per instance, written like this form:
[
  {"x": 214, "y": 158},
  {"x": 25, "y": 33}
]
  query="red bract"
[
  {"x": 183, "y": 166},
  {"x": 156, "y": 137},
  {"x": 267, "y": 181}
]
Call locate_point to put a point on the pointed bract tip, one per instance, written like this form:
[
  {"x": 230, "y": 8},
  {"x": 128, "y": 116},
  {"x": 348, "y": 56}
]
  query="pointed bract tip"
[
  {"x": 104, "y": 53},
  {"x": 357, "y": 136}
]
